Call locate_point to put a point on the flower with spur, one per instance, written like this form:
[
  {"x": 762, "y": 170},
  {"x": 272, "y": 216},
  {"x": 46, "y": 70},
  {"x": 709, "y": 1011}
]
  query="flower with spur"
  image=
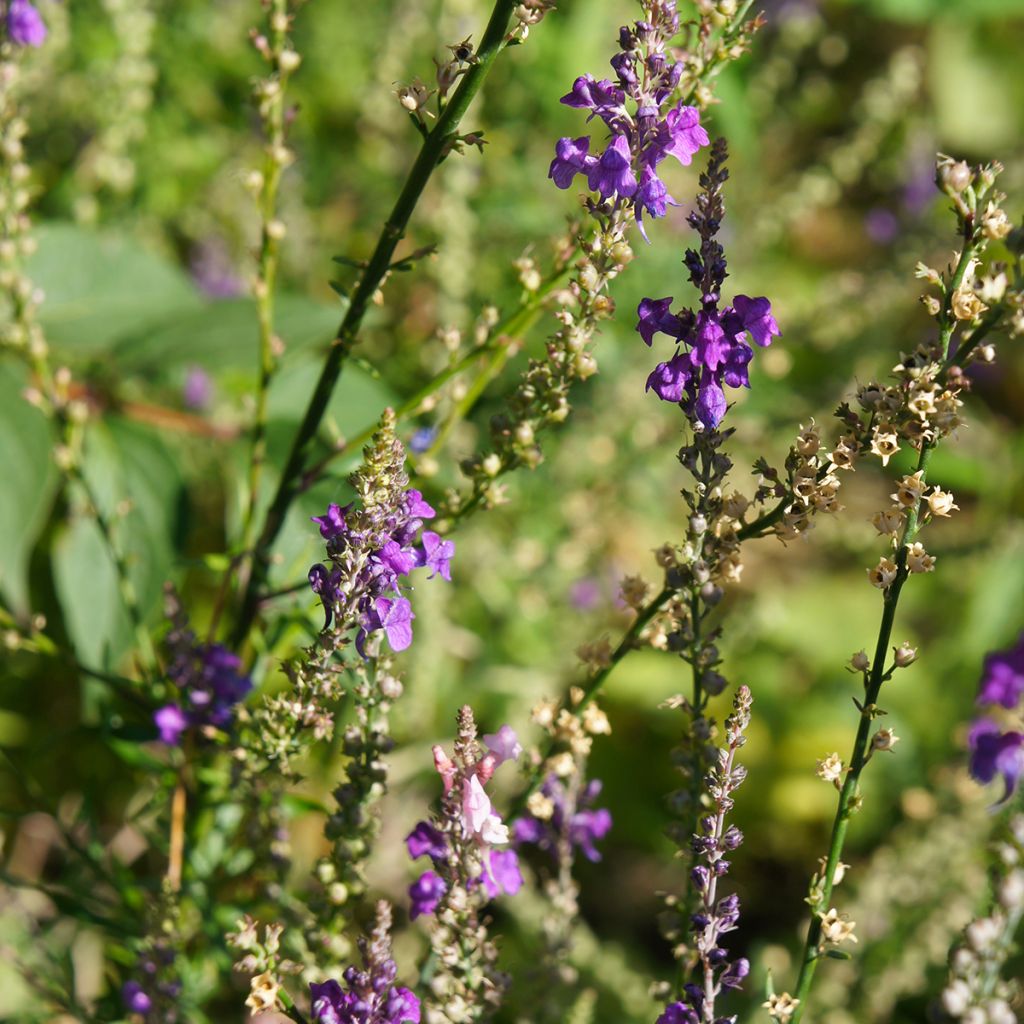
[
  {"x": 644, "y": 126},
  {"x": 712, "y": 349},
  {"x": 369, "y": 995},
  {"x": 25, "y": 26},
  {"x": 994, "y": 750},
  {"x": 210, "y": 684},
  {"x": 469, "y": 821},
  {"x": 553, "y": 816},
  {"x": 372, "y": 551}
]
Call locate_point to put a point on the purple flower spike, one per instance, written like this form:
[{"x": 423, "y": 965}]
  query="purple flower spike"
[
  {"x": 678, "y": 1013},
  {"x": 436, "y": 555},
  {"x": 25, "y": 26},
  {"x": 669, "y": 380},
  {"x": 570, "y": 159},
  {"x": 757, "y": 318},
  {"x": 994, "y": 752},
  {"x": 425, "y": 894},
  {"x": 170, "y": 722},
  {"x": 612, "y": 174}
]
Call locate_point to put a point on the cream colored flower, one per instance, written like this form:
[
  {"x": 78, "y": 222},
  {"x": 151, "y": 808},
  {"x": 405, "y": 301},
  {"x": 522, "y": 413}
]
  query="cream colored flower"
[
  {"x": 808, "y": 441},
  {"x": 595, "y": 721},
  {"x": 918, "y": 560},
  {"x": 830, "y": 768},
  {"x": 836, "y": 929},
  {"x": 860, "y": 662},
  {"x": 884, "y": 739},
  {"x": 884, "y": 442},
  {"x": 540, "y": 806},
  {"x": 888, "y": 523},
  {"x": 910, "y": 490},
  {"x": 994, "y": 222},
  {"x": 941, "y": 502},
  {"x": 966, "y": 305},
  {"x": 263, "y": 991},
  {"x": 883, "y": 574},
  {"x": 735, "y": 505},
  {"x": 781, "y": 1007}
]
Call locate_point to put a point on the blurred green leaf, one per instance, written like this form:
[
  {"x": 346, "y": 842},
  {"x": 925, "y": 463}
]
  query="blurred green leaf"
[
  {"x": 101, "y": 286},
  {"x": 223, "y": 335},
  {"x": 123, "y": 462},
  {"x": 29, "y": 481}
]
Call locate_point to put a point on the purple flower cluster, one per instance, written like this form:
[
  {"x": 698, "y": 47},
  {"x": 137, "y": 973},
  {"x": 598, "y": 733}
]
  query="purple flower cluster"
[
  {"x": 995, "y": 751},
  {"x": 210, "y": 684},
  {"x": 711, "y": 345},
  {"x": 586, "y": 824},
  {"x": 25, "y": 26},
  {"x": 477, "y": 822},
  {"x": 645, "y": 79},
  {"x": 371, "y": 998},
  {"x": 369, "y": 564}
]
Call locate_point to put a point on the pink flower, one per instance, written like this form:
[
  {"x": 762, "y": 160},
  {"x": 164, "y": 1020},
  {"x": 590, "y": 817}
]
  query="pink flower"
[
  {"x": 477, "y": 816},
  {"x": 444, "y": 765}
]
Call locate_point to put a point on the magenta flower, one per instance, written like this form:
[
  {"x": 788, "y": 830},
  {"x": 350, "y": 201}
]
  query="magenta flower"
[
  {"x": 170, "y": 723},
  {"x": 501, "y": 874},
  {"x": 332, "y": 522},
  {"x": 503, "y": 744},
  {"x": 426, "y": 841},
  {"x": 394, "y": 615},
  {"x": 25, "y": 25}
]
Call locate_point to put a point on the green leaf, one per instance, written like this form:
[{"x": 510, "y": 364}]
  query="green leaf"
[
  {"x": 122, "y": 461},
  {"x": 224, "y": 335},
  {"x": 28, "y": 486},
  {"x": 101, "y": 287}
]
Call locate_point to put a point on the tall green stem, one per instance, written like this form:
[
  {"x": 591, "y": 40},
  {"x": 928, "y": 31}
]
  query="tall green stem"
[{"x": 435, "y": 148}]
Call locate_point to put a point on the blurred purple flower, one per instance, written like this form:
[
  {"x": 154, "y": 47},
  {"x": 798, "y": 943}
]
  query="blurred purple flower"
[
  {"x": 425, "y": 894},
  {"x": 994, "y": 752},
  {"x": 881, "y": 225},
  {"x": 1002, "y": 677},
  {"x": 135, "y": 998},
  {"x": 213, "y": 273},
  {"x": 25, "y": 25},
  {"x": 197, "y": 392}
]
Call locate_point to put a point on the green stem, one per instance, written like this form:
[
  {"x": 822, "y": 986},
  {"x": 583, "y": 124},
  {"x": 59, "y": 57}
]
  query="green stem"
[
  {"x": 434, "y": 149},
  {"x": 508, "y": 330},
  {"x": 273, "y": 166},
  {"x": 849, "y": 794},
  {"x": 596, "y": 681}
]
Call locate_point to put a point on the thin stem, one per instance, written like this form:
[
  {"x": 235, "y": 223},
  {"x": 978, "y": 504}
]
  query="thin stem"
[
  {"x": 272, "y": 110},
  {"x": 505, "y": 333},
  {"x": 849, "y": 795},
  {"x": 435, "y": 148},
  {"x": 176, "y": 849}
]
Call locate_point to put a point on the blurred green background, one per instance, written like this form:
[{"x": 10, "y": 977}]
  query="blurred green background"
[{"x": 141, "y": 132}]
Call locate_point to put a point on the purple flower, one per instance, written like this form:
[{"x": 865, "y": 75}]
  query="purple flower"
[
  {"x": 394, "y": 615},
  {"x": 678, "y": 1013},
  {"x": 503, "y": 744},
  {"x": 1002, "y": 678},
  {"x": 501, "y": 874},
  {"x": 210, "y": 683},
  {"x": 757, "y": 318},
  {"x": 570, "y": 159},
  {"x": 425, "y": 840},
  {"x": 425, "y": 894},
  {"x": 669, "y": 380},
  {"x": 587, "y": 825},
  {"x": 402, "y": 1007},
  {"x": 710, "y": 345},
  {"x": 399, "y": 560},
  {"x": 171, "y": 723},
  {"x": 612, "y": 174},
  {"x": 332, "y": 522},
  {"x": 422, "y": 439},
  {"x": 197, "y": 392},
  {"x": 655, "y": 318},
  {"x": 436, "y": 555},
  {"x": 711, "y": 403},
  {"x": 994, "y": 752},
  {"x": 681, "y": 134},
  {"x": 25, "y": 26},
  {"x": 416, "y": 507},
  {"x": 134, "y": 998},
  {"x": 603, "y": 98}
]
